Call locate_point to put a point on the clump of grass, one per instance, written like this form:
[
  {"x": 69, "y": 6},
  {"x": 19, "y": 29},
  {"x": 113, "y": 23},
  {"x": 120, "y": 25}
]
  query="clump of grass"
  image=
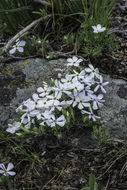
[
  {"x": 13, "y": 15},
  {"x": 96, "y": 12}
]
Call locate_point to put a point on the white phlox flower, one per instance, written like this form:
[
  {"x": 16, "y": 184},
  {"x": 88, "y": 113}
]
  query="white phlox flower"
[
  {"x": 43, "y": 92},
  {"x": 67, "y": 79},
  {"x": 100, "y": 85},
  {"x": 88, "y": 80},
  {"x": 87, "y": 90},
  {"x": 54, "y": 100},
  {"x": 52, "y": 122},
  {"x": 82, "y": 100},
  {"x": 7, "y": 172},
  {"x": 74, "y": 61},
  {"x": 18, "y": 46},
  {"x": 23, "y": 104},
  {"x": 26, "y": 117},
  {"x": 13, "y": 127},
  {"x": 77, "y": 86},
  {"x": 61, "y": 88},
  {"x": 46, "y": 116},
  {"x": 98, "y": 28},
  {"x": 92, "y": 71},
  {"x": 44, "y": 103},
  {"x": 36, "y": 99},
  {"x": 30, "y": 104},
  {"x": 45, "y": 121},
  {"x": 97, "y": 101},
  {"x": 91, "y": 114},
  {"x": 73, "y": 101},
  {"x": 78, "y": 76},
  {"x": 28, "y": 125}
]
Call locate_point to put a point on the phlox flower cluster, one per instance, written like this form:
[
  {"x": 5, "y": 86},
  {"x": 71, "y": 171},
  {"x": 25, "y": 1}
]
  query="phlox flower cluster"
[{"x": 78, "y": 88}]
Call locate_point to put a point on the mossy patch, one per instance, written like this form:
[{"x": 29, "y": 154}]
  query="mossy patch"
[{"x": 10, "y": 80}]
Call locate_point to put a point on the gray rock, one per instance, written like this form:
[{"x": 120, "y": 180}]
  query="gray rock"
[
  {"x": 114, "y": 111},
  {"x": 19, "y": 80}
]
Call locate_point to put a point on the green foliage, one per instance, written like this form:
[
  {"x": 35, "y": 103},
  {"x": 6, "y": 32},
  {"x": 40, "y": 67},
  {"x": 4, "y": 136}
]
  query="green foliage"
[
  {"x": 92, "y": 184},
  {"x": 101, "y": 134},
  {"x": 43, "y": 13},
  {"x": 92, "y": 44},
  {"x": 80, "y": 15},
  {"x": 69, "y": 39},
  {"x": 5, "y": 181},
  {"x": 13, "y": 14},
  {"x": 67, "y": 6},
  {"x": 83, "y": 14}
]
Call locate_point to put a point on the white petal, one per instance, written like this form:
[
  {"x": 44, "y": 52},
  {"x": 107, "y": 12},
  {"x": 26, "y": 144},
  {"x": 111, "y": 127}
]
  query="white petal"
[
  {"x": 98, "y": 26},
  {"x": 12, "y": 51},
  {"x": 20, "y": 49},
  {"x": 11, "y": 130},
  {"x": 79, "y": 60},
  {"x": 86, "y": 104},
  {"x": 88, "y": 70},
  {"x": 94, "y": 27},
  {"x": 101, "y": 79},
  {"x": 102, "y": 29},
  {"x": 12, "y": 173},
  {"x": 69, "y": 60},
  {"x": 103, "y": 90},
  {"x": 95, "y": 106},
  {"x": 40, "y": 89},
  {"x": 93, "y": 118},
  {"x": 10, "y": 166},
  {"x": 100, "y": 104},
  {"x": 91, "y": 66},
  {"x": 69, "y": 102},
  {"x": 80, "y": 106},
  {"x": 97, "y": 87},
  {"x": 61, "y": 118},
  {"x": 100, "y": 96},
  {"x": 60, "y": 123},
  {"x": 1, "y": 171},
  {"x": 84, "y": 112},
  {"x": 35, "y": 97},
  {"x": 75, "y": 58},
  {"x": 34, "y": 113},
  {"x": 2, "y": 166},
  {"x": 106, "y": 83},
  {"x": 95, "y": 31},
  {"x": 22, "y": 43}
]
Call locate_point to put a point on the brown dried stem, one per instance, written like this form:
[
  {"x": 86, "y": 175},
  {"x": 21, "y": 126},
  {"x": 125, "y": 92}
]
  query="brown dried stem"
[{"x": 19, "y": 34}]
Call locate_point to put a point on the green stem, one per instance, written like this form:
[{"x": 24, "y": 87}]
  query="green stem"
[
  {"x": 9, "y": 183},
  {"x": 85, "y": 7}
]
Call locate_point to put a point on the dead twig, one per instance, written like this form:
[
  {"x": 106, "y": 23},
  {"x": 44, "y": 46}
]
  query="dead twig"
[
  {"x": 19, "y": 34},
  {"x": 42, "y": 2}
]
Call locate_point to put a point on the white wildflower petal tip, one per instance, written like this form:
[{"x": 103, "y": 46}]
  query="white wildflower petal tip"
[{"x": 12, "y": 51}]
